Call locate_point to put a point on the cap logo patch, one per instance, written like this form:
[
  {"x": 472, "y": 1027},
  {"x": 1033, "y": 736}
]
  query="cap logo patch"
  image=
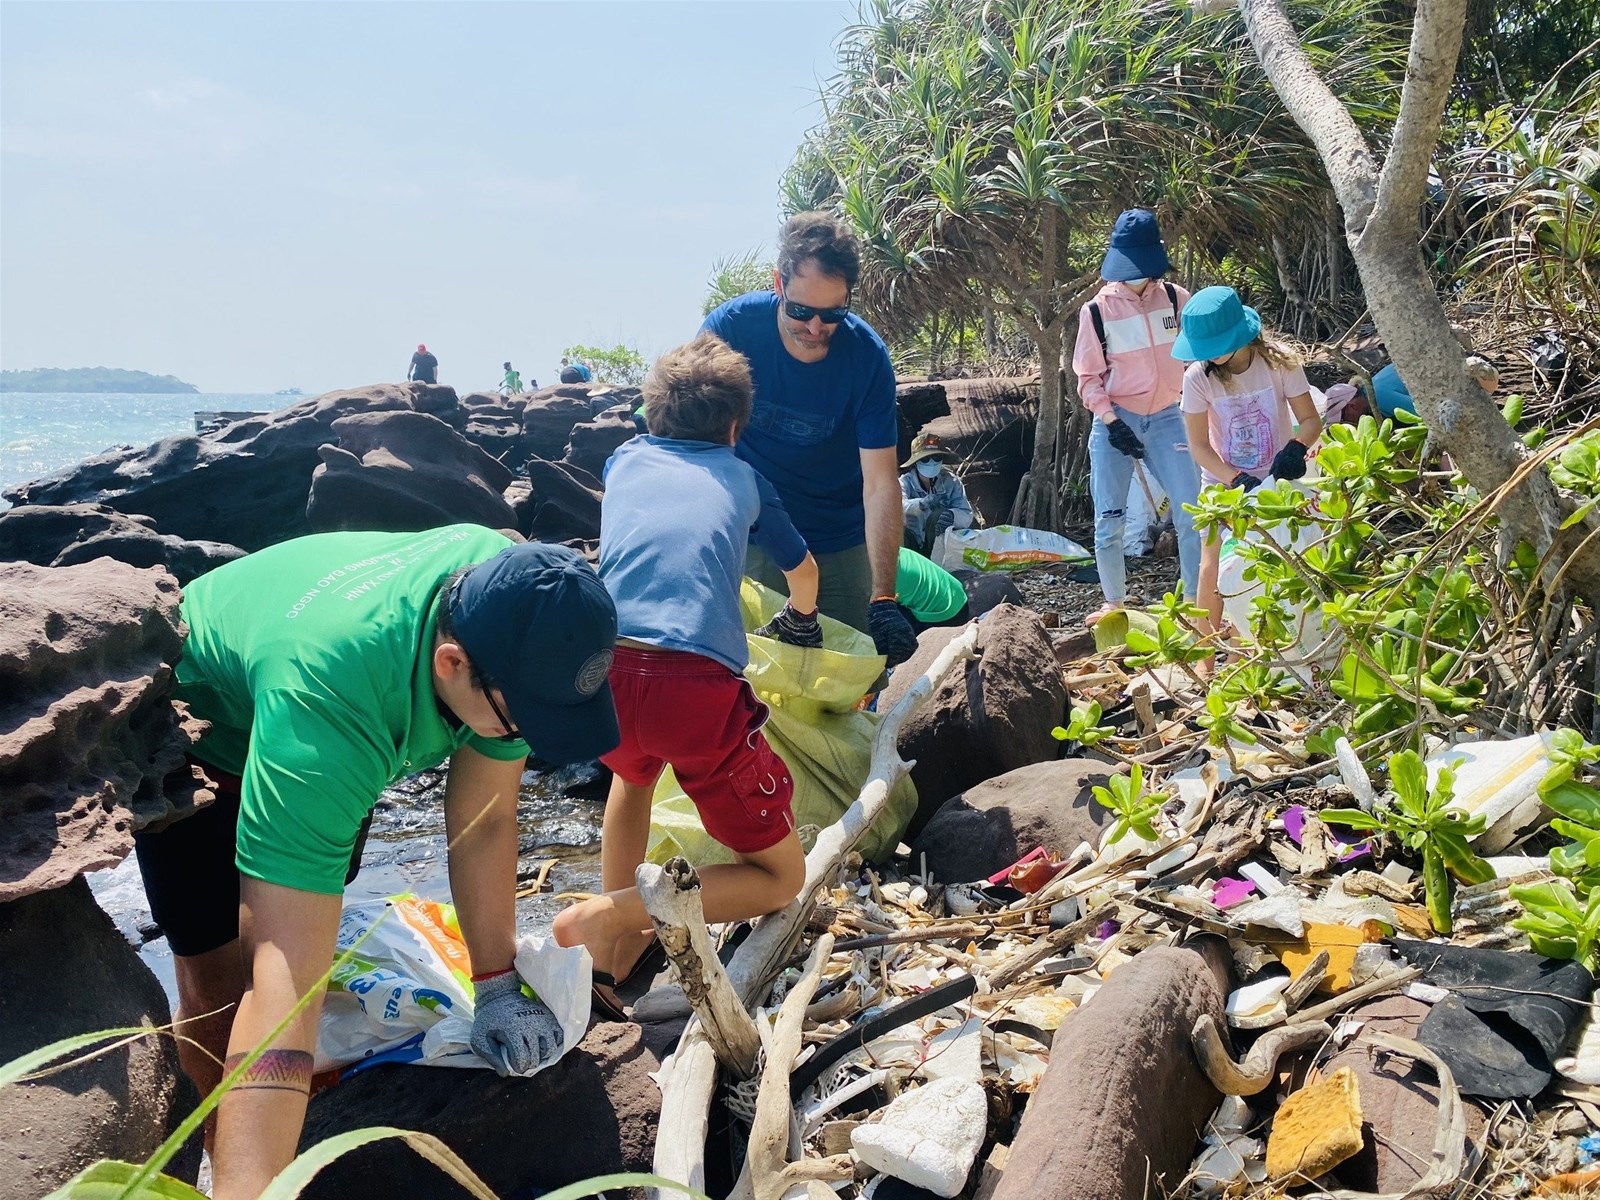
[{"x": 593, "y": 673}]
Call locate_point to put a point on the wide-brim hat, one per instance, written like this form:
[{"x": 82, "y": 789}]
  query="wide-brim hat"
[
  {"x": 1215, "y": 323},
  {"x": 926, "y": 445},
  {"x": 1136, "y": 250},
  {"x": 537, "y": 622}
]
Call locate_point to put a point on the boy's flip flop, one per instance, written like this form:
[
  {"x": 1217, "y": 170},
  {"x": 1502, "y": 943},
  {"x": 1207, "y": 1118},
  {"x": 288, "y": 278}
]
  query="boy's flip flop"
[
  {"x": 647, "y": 964},
  {"x": 603, "y": 1002}
]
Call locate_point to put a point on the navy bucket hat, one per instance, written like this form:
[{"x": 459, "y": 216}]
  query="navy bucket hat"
[
  {"x": 539, "y": 624},
  {"x": 1136, "y": 250},
  {"x": 1215, "y": 323}
]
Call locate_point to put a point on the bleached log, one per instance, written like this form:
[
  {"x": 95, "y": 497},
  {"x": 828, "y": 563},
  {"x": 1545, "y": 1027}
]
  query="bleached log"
[
  {"x": 671, "y": 896},
  {"x": 689, "y": 1077},
  {"x": 767, "y": 1172}
]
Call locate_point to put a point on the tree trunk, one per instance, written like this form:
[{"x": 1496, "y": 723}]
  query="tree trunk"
[
  {"x": 1038, "y": 499},
  {"x": 1382, "y": 226}
]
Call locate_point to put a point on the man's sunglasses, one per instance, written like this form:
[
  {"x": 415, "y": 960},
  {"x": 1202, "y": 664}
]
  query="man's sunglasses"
[
  {"x": 512, "y": 734},
  {"x": 804, "y": 312}
]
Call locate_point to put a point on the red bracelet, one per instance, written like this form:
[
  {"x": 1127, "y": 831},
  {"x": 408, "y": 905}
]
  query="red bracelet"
[{"x": 488, "y": 975}]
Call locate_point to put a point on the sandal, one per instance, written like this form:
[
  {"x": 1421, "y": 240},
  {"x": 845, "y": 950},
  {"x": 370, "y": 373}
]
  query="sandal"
[
  {"x": 1090, "y": 620},
  {"x": 651, "y": 960},
  {"x": 603, "y": 1002}
]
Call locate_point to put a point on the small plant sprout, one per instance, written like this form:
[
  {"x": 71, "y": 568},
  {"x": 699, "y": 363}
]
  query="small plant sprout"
[
  {"x": 1557, "y": 922},
  {"x": 1136, "y": 809},
  {"x": 1421, "y": 820},
  {"x": 1083, "y": 726},
  {"x": 1577, "y": 805}
]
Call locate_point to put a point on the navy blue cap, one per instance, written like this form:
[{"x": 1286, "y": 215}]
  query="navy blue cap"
[
  {"x": 536, "y": 621},
  {"x": 1136, "y": 250}
]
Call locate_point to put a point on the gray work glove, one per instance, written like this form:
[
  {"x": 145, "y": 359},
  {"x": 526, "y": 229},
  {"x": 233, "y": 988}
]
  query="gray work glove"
[
  {"x": 793, "y": 628},
  {"x": 512, "y": 1032},
  {"x": 945, "y": 518}
]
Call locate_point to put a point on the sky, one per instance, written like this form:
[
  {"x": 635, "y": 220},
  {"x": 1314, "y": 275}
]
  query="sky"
[{"x": 255, "y": 196}]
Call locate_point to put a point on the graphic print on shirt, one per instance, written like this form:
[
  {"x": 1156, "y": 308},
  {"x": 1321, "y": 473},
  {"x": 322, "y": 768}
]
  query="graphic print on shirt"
[
  {"x": 1247, "y": 428},
  {"x": 793, "y": 425}
]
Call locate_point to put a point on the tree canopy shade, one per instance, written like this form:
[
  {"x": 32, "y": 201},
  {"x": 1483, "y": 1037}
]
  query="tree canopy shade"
[{"x": 982, "y": 149}]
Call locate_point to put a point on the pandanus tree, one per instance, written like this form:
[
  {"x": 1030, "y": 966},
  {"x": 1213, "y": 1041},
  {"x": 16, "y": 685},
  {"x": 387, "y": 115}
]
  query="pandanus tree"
[{"x": 983, "y": 147}]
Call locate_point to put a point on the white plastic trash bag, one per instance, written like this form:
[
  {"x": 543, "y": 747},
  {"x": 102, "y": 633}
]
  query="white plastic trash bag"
[
  {"x": 1007, "y": 548},
  {"x": 1142, "y": 515},
  {"x": 405, "y": 995}
]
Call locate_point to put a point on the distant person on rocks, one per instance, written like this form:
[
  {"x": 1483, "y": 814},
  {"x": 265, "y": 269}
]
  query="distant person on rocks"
[
  {"x": 933, "y": 498},
  {"x": 330, "y": 667},
  {"x": 823, "y": 426},
  {"x": 424, "y": 366},
  {"x": 1247, "y": 407},
  {"x": 679, "y": 510},
  {"x": 571, "y": 372},
  {"x": 585, "y": 369},
  {"x": 1391, "y": 395},
  {"x": 511, "y": 385},
  {"x": 1129, "y": 380}
]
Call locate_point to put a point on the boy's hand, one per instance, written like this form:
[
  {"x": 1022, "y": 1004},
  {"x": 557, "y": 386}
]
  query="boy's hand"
[
  {"x": 793, "y": 628},
  {"x": 890, "y": 631}
]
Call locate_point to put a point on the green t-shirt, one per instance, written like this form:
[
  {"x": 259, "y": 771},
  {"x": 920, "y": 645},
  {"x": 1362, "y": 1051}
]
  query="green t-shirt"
[
  {"x": 313, "y": 660},
  {"x": 927, "y": 589}
]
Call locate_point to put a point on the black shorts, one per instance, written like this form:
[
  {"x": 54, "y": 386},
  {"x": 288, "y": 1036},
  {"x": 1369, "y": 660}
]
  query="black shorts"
[{"x": 191, "y": 876}]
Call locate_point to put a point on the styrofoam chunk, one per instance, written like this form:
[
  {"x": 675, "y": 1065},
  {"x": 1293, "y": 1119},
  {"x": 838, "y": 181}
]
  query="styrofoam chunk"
[{"x": 929, "y": 1137}]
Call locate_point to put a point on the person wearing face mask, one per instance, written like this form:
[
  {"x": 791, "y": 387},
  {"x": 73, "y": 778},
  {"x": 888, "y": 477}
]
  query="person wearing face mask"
[
  {"x": 932, "y": 496},
  {"x": 1128, "y": 379}
]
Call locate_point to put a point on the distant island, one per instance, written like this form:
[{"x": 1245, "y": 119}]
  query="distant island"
[{"x": 91, "y": 379}]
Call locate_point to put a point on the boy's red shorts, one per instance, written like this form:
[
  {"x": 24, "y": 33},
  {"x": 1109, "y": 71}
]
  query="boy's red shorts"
[{"x": 692, "y": 712}]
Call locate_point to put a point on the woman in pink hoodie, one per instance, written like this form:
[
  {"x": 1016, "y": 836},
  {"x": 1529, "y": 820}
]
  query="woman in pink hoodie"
[{"x": 1129, "y": 380}]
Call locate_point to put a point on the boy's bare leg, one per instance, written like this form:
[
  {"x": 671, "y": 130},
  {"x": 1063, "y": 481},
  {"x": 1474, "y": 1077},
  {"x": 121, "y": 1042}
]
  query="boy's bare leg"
[
  {"x": 624, "y": 838},
  {"x": 758, "y": 883},
  {"x": 210, "y": 986}
]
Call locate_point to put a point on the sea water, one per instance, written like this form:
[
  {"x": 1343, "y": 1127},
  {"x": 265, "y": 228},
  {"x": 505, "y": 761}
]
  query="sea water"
[{"x": 42, "y": 432}]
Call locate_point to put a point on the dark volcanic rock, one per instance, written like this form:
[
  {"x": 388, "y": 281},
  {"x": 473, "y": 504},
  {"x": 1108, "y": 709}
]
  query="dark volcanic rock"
[
  {"x": 405, "y": 471},
  {"x": 988, "y": 589},
  {"x": 1124, "y": 1102},
  {"x": 65, "y": 970},
  {"x": 592, "y": 442},
  {"x": 244, "y": 484},
  {"x": 992, "y": 825},
  {"x": 563, "y": 503},
  {"x": 593, "y": 1113},
  {"x": 991, "y": 718},
  {"x": 548, "y": 417},
  {"x": 494, "y": 425},
  {"x": 91, "y": 747},
  {"x": 62, "y": 535}
]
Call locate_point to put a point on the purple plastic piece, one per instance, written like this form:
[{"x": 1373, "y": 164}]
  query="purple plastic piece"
[
  {"x": 1294, "y": 824},
  {"x": 1107, "y": 928},
  {"x": 1228, "y": 891}
]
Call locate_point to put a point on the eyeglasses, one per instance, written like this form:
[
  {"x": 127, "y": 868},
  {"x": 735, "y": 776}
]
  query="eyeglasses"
[{"x": 512, "y": 734}]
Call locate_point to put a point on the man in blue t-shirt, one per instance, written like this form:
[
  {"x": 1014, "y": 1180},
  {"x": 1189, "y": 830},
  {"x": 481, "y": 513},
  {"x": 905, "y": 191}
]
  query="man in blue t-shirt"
[{"x": 823, "y": 427}]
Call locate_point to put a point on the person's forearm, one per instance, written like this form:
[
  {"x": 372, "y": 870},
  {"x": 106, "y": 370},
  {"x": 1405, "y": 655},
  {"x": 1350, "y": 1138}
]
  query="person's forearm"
[
  {"x": 481, "y": 828},
  {"x": 802, "y": 583},
  {"x": 885, "y": 523},
  {"x": 259, "y": 1120}
]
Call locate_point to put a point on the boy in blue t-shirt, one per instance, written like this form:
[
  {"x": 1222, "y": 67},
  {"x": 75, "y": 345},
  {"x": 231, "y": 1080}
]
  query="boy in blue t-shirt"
[{"x": 679, "y": 512}]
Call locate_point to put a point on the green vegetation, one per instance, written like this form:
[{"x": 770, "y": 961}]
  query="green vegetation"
[
  {"x": 1136, "y": 808},
  {"x": 734, "y": 276},
  {"x": 91, "y": 379},
  {"x": 621, "y": 365}
]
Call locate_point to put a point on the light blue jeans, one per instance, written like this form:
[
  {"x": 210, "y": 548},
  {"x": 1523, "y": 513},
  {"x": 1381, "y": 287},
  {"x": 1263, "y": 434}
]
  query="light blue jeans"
[{"x": 1166, "y": 456}]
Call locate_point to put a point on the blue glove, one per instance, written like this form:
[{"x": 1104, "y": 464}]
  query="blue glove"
[
  {"x": 890, "y": 631},
  {"x": 793, "y": 628},
  {"x": 944, "y": 520},
  {"x": 512, "y": 1032}
]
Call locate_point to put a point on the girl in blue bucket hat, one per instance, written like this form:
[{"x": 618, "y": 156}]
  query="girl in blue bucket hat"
[
  {"x": 1129, "y": 381},
  {"x": 1246, "y": 404}
]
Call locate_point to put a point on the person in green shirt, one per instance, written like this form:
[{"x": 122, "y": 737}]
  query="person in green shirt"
[
  {"x": 329, "y": 667},
  {"x": 511, "y": 385},
  {"x": 928, "y": 593}
]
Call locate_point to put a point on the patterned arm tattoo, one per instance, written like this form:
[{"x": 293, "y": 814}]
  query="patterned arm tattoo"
[{"x": 276, "y": 1070}]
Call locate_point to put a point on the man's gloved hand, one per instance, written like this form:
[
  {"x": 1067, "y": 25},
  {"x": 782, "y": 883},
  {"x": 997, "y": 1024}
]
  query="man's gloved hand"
[
  {"x": 512, "y": 1032},
  {"x": 890, "y": 631},
  {"x": 1244, "y": 480},
  {"x": 1125, "y": 439},
  {"x": 1290, "y": 462},
  {"x": 793, "y": 628}
]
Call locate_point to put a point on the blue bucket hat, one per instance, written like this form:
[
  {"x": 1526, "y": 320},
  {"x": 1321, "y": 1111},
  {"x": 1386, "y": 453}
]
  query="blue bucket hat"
[
  {"x": 1215, "y": 323},
  {"x": 1136, "y": 250},
  {"x": 536, "y": 621}
]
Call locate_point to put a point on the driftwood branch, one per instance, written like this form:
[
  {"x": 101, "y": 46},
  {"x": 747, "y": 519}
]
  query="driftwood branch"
[
  {"x": 688, "y": 1077},
  {"x": 671, "y": 896},
  {"x": 767, "y": 1172},
  {"x": 1260, "y": 1065},
  {"x": 1053, "y": 942}
]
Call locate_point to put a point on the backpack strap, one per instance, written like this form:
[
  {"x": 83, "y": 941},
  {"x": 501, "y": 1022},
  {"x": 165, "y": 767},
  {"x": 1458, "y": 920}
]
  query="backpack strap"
[
  {"x": 1099, "y": 326},
  {"x": 1172, "y": 299}
]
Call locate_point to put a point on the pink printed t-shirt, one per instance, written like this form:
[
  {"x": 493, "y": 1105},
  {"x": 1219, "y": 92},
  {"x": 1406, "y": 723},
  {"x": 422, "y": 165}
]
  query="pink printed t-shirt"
[{"x": 1248, "y": 414}]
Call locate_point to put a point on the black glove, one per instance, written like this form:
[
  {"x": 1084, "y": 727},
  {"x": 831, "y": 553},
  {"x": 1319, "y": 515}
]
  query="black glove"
[
  {"x": 890, "y": 631},
  {"x": 793, "y": 628},
  {"x": 1290, "y": 462},
  {"x": 1247, "y": 482},
  {"x": 1125, "y": 439}
]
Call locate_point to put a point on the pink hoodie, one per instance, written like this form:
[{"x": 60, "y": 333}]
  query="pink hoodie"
[{"x": 1140, "y": 373}]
